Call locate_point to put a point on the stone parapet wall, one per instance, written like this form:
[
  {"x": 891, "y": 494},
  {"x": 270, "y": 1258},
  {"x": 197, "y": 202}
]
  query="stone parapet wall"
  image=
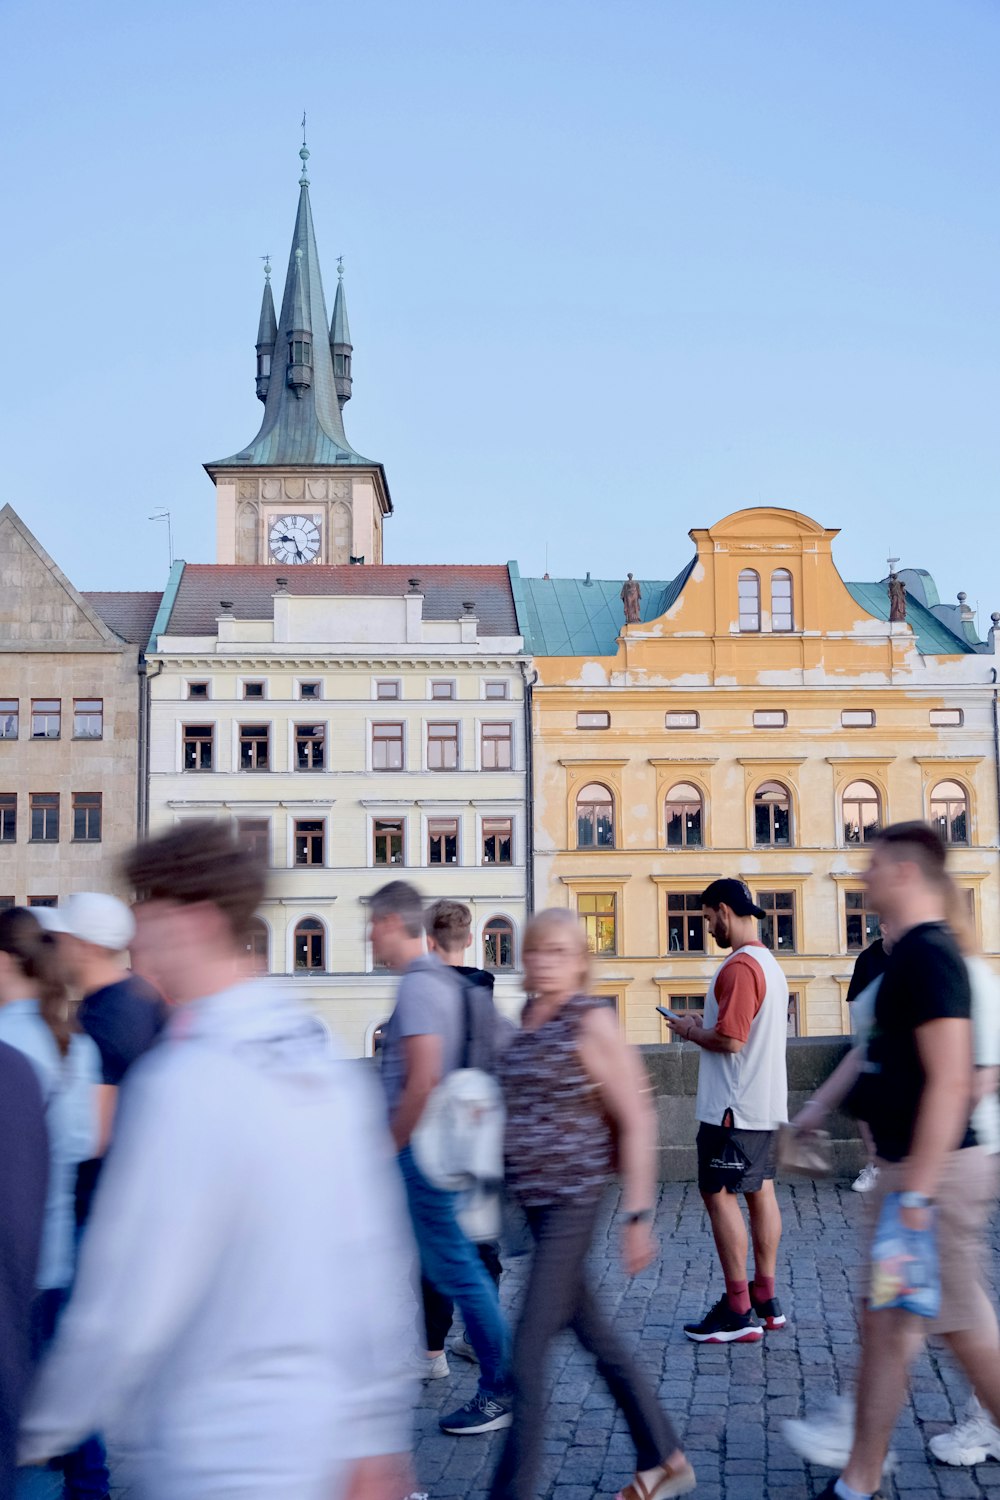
[{"x": 673, "y": 1072}]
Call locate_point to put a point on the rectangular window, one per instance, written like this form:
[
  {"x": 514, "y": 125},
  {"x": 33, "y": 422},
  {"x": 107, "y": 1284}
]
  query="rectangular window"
[
  {"x": 497, "y": 841},
  {"x": 682, "y": 718},
  {"x": 599, "y": 913},
  {"x": 685, "y": 923},
  {"x": 442, "y": 690},
  {"x": 387, "y": 747},
  {"x": 862, "y": 924},
  {"x": 254, "y": 747},
  {"x": 253, "y": 690},
  {"x": 87, "y": 817},
  {"x": 254, "y": 835},
  {"x": 681, "y": 1005},
  {"x": 769, "y": 718},
  {"x": 941, "y": 718},
  {"x": 46, "y": 718},
  {"x": 310, "y": 747},
  {"x": 442, "y": 841},
  {"x": 88, "y": 718},
  {"x": 793, "y": 1016},
  {"x": 41, "y": 901},
  {"x": 593, "y": 720},
  {"x": 9, "y": 718},
  {"x": 45, "y": 817},
  {"x": 858, "y": 718},
  {"x": 197, "y": 741},
  {"x": 310, "y": 690},
  {"x": 308, "y": 841},
  {"x": 777, "y": 927},
  {"x": 497, "y": 747},
  {"x": 197, "y": 689},
  {"x": 496, "y": 690},
  {"x": 6, "y": 902},
  {"x": 388, "y": 841},
  {"x": 8, "y": 818},
  {"x": 387, "y": 689},
  {"x": 442, "y": 747}
]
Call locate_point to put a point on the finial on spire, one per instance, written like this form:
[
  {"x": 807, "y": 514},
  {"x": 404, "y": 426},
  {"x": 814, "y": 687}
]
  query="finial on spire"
[
  {"x": 340, "y": 268},
  {"x": 267, "y": 267},
  {"x": 304, "y": 154}
]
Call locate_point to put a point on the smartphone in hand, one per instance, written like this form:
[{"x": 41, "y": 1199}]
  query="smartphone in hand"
[{"x": 671, "y": 1015}]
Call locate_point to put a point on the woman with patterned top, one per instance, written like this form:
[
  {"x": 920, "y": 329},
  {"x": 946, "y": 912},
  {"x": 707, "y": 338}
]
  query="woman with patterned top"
[{"x": 572, "y": 1088}]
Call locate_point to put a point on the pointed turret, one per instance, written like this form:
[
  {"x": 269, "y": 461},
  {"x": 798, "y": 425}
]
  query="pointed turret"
[
  {"x": 267, "y": 333},
  {"x": 299, "y": 334},
  {"x": 340, "y": 341}
]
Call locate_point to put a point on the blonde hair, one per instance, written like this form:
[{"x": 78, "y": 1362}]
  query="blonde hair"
[
  {"x": 959, "y": 919},
  {"x": 558, "y": 919}
]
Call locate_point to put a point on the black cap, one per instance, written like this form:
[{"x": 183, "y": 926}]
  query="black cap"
[{"x": 732, "y": 893}]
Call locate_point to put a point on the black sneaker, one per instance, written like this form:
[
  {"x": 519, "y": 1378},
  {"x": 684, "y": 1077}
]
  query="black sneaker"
[
  {"x": 769, "y": 1312},
  {"x": 481, "y": 1414},
  {"x": 723, "y": 1326}
]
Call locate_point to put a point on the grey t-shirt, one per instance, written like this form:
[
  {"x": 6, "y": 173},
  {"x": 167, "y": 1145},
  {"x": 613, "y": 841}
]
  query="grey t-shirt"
[{"x": 428, "y": 1002}]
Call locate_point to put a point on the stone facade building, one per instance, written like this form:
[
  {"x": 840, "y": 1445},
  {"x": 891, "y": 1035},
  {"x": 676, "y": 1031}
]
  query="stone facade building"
[
  {"x": 70, "y": 696},
  {"x": 761, "y": 719}
]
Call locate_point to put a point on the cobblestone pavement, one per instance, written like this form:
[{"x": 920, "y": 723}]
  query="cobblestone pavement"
[{"x": 727, "y": 1402}]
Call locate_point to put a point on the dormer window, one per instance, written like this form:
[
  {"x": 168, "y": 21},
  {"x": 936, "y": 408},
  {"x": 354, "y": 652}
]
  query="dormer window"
[{"x": 301, "y": 351}]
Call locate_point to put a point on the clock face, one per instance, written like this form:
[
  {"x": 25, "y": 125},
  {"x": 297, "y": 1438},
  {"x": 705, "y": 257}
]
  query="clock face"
[{"x": 294, "y": 539}]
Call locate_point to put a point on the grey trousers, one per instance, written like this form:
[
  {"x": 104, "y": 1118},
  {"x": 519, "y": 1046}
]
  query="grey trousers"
[{"x": 558, "y": 1297}]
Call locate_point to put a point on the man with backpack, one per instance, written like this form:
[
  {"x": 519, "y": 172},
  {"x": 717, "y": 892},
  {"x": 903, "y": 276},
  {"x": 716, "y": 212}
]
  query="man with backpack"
[
  {"x": 449, "y": 935},
  {"x": 431, "y": 1033}
]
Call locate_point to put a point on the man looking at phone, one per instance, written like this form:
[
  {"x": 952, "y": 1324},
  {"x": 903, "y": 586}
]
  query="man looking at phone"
[{"x": 742, "y": 1099}]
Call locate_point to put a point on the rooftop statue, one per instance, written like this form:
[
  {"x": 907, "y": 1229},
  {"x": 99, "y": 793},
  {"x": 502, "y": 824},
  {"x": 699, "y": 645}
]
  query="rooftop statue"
[{"x": 630, "y": 596}]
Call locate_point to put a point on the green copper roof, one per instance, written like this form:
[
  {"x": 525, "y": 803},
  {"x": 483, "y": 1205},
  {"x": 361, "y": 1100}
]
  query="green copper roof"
[
  {"x": 340, "y": 331},
  {"x": 306, "y": 429},
  {"x": 577, "y": 617},
  {"x": 267, "y": 328},
  {"x": 581, "y": 617},
  {"x": 933, "y": 636}
]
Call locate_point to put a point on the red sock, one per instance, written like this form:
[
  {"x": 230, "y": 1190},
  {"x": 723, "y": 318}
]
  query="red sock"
[
  {"x": 763, "y": 1287},
  {"x": 738, "y": 1295}
]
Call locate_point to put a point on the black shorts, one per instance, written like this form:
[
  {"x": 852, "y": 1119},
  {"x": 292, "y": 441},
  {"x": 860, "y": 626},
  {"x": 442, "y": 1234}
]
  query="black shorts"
[{"x": 758, "y": 1145}]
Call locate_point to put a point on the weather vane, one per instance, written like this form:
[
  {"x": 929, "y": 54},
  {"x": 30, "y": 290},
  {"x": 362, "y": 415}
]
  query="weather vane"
[
  {"x": 267, "y": 267},
  {"x": 304, "y": 152},
  {"x": 340, "y": 268}
]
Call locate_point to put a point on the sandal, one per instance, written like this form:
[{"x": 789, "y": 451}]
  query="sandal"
[{"x": 671, "y": 1482}]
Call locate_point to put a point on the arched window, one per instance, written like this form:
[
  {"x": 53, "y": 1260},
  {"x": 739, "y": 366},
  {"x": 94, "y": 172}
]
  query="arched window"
[
  {"x": 749, "y": 594},
  {"x": 772, "y": 815},
  {"x": 950, "y": 812},
  {"x": 257, "y": 944},
  {"x": 782, "y": 612},
  {"x": 595, "y": 818},
  {"x": 684, "y": 817},
  {"x": 498, "y": 944},
  {"x": 310, "y": 946},
  {"x": 862, "y": 812}
]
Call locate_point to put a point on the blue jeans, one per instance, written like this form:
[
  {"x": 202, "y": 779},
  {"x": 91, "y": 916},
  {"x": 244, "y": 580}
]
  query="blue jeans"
[
  {"x": 84, "y": 1471},
  {"x": 452, "y": 1263}
]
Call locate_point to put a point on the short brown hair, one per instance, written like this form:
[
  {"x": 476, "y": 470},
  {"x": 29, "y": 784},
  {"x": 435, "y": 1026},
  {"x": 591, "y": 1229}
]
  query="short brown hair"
[
  {"x": 449, "y": 924},
  {"x": 399, "y": 899},
  {"x": 919, "y": 844},
  {"x": 200, "y": 861}
]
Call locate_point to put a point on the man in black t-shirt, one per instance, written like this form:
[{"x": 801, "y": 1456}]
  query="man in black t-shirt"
[
  {"x": 869, "y": 965},
  {"x": 915, "y": 1092}
]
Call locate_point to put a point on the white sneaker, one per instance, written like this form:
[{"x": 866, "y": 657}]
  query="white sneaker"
[
  {"x": 827, "y": 1437},
  {"x": 464, "y": 1350},
  {"x": 865, "y": 1180},
  {"x": 971, "y": 1441},
  {"x": 431, "y": 1369}
]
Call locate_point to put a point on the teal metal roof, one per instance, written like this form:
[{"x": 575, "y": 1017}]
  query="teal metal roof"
[
  {"x": 306, "y": 429},
  {"x": 580, "y": 617},
  {"x": 933, "y": 636}
]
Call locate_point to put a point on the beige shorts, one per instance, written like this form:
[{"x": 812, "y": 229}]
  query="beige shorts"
[{"x": 966, "y": 1196}]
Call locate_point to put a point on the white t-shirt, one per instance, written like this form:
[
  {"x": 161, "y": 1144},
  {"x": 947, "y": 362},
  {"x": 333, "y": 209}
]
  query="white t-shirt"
[{"x": 753, "y": 1082}]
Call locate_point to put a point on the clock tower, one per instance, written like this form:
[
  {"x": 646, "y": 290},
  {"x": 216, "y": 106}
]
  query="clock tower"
[{"x": 299, "y": 493}]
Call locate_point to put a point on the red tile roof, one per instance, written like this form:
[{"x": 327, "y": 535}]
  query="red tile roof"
[
  {"x": 445, "y": 587},
  {"x": 129, "y": 615}
]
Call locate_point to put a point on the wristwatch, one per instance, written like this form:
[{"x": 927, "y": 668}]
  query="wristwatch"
[
  {"x": 915, "y": 1200},
  {"x": 640, "y": 1216}
]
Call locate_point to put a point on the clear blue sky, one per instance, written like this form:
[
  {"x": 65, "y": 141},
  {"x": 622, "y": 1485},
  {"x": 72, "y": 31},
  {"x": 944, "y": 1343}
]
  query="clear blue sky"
[{"x": 615, "y": 269}]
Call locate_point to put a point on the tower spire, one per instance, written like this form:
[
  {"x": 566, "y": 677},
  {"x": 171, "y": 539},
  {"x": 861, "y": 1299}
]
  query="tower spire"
[
  {"x": 340, "y": 340},
  {"x": 267, "y": 333}
]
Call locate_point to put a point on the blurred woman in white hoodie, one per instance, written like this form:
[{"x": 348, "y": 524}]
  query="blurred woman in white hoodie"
[{"x": 246, "y": 1298}]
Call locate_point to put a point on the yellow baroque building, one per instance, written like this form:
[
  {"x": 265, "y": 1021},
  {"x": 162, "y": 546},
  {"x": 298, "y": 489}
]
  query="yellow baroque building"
[{"x": 761, "y": 718}]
